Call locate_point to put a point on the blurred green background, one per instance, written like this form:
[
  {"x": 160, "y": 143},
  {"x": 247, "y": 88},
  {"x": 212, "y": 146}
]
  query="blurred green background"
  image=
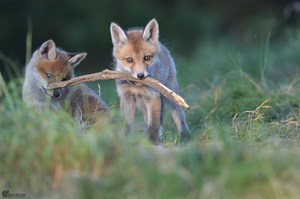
[
  {"x": 184, "y": 25},
  {"x": 201, "y": 35},
  {"x": 238, "y": 68}
]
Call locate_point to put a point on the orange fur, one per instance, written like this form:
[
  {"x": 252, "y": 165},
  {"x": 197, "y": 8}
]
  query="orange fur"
[
  {"x": 49, "y": 65},
  {"x": 139, "y": 52}
]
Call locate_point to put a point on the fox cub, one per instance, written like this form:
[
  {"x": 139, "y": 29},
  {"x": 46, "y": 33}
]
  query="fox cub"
[
  {"x": 139, "y": 52},
  {"x": 50, "y": 64}
]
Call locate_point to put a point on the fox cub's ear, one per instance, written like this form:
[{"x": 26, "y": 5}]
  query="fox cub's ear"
[
  {"x": 48, "y": 50},
  {"x": 76, "y": 59},
  {"x": 117, "y": 34},
  {"x": 151, "y": 31}
]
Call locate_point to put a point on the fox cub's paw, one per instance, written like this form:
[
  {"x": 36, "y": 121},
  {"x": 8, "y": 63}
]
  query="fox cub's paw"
[{"x": 185, "y": 137}]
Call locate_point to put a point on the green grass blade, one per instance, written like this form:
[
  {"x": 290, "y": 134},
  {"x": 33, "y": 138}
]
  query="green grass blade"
[
  {"x": 28, "y": 40},
  {"x": 7, "y": 95}
]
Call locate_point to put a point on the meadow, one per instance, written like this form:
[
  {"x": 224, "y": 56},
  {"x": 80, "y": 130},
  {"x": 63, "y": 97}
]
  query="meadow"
[{"x": 244, "y": 118}]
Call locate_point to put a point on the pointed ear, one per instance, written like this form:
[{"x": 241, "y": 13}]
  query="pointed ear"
[
  {"x": 76, "y": 59},
  {"x": 48, "y": 50},
  {"x": 117, "y": 34},
  {"x": 151, "y": 31}
]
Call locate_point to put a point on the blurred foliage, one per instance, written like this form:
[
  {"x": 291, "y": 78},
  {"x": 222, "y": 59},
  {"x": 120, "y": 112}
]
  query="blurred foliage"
[
  {"x": 238, "y": 67},
  {"x": 84, "y": 25}
]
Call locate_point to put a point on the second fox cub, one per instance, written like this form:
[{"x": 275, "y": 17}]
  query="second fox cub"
[
  {"x": 50, "y": 64},
  {"x": 139, "y": 52}
]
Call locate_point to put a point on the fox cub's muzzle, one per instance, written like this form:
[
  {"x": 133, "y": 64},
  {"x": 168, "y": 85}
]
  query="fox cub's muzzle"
[
  {"x": 141, "y": 75},
  {"x": 57, "y": 92}
]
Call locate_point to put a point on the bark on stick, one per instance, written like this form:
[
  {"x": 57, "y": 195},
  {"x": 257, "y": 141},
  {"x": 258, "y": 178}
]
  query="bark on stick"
[{"x": 110, "y": 75}]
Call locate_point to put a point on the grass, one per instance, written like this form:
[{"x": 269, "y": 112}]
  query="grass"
[{"x": 244, "y": 117}]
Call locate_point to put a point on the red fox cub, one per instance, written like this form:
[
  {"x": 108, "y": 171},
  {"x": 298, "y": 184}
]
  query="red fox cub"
[
  {"x": 139, "y": 52},
  {"x": 50, "y": 64}
]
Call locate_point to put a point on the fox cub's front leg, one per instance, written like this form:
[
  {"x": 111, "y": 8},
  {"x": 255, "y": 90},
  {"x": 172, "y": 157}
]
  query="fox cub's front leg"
[
  {"x": 87, "y": 106},
  {"x": 127, "y": 105},
  {"x": 154, "y": 117}
]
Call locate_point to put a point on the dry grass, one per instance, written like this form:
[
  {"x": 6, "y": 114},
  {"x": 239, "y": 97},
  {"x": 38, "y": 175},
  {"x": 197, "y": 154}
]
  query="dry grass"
[{"x": 245, "y": 124}]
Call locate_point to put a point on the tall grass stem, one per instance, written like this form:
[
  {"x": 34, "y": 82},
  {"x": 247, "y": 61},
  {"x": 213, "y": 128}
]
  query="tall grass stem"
[{"x": 28, "y": 40}]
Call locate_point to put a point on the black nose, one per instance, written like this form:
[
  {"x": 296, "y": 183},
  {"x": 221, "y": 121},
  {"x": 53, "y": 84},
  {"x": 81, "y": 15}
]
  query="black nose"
[
  {"x": 56, "y": 92},
  {"x": 140, "y": 75}
]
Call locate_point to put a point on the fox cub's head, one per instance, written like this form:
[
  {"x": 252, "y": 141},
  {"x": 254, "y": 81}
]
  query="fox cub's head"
[
  {"x": 135, "y": 50},
  {"x": 54, "y": 65}
]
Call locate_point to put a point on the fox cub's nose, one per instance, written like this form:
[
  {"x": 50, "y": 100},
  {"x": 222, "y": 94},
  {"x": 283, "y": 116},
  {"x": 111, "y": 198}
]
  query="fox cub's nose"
[
  {"x": 56, "y": 92},
  {"x": 141, "y": 75}
]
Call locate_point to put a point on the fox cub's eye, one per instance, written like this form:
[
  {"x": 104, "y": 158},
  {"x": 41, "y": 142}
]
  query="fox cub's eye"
[
  {"x": 49, "y": 75},
  {"x": 147, "y": 58},
  {"x": 129, "y": 60}
]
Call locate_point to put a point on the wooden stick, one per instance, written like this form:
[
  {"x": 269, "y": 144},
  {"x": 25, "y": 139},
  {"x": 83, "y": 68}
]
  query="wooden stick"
[{"x": 110, "y": 75}]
